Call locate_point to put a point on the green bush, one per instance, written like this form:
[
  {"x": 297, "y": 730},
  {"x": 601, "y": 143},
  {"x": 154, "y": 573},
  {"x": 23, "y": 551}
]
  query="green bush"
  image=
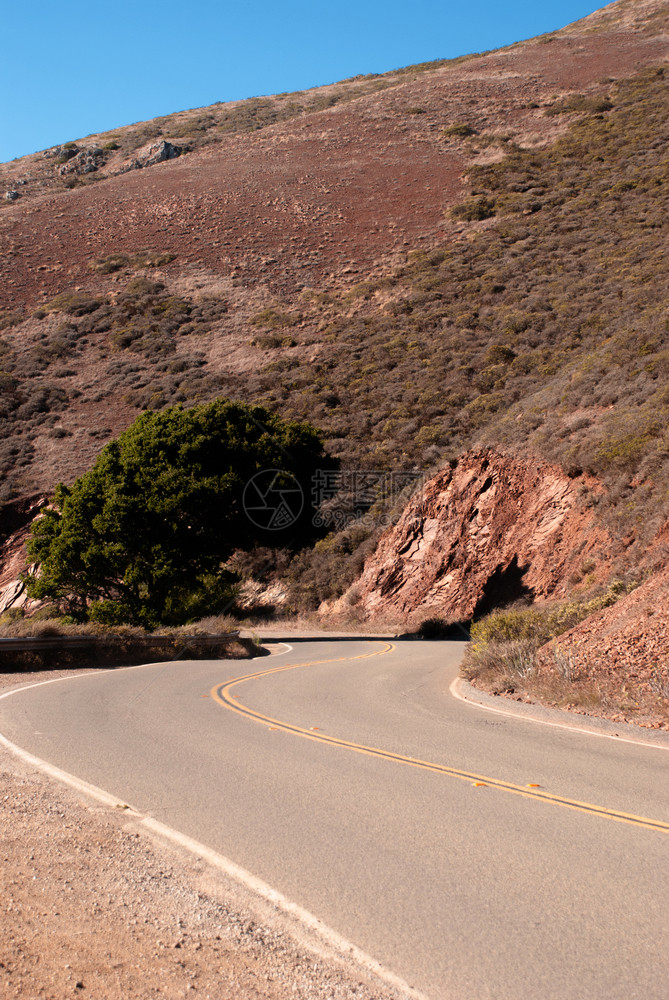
[
  {"x": 74, "y": 303},
  {"x": 143, "y": 536},
  {"x": 506, "y": 642},
  {"x": 274, "y": 319}
]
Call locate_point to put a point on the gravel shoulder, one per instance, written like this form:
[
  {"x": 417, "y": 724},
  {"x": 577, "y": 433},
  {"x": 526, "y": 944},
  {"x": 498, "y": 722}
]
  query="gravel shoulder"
[{"x": 94, "y": 906}]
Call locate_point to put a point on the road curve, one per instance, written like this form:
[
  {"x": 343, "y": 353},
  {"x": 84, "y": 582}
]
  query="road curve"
[{"x": 475, "y": 856}]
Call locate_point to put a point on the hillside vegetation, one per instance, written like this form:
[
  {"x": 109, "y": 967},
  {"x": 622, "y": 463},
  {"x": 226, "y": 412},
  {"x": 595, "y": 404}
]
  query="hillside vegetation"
[
  {"x": 106, "y": 154},
  {"x": 542, "y": 327},
  {"x": 143, "y": 536}
]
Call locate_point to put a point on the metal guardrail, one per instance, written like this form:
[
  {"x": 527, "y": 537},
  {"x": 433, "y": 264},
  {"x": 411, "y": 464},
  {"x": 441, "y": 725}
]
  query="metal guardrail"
[{"x": 29, "y": 643}]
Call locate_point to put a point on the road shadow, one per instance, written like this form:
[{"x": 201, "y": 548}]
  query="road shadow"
[{"x": 458, "y": 632}]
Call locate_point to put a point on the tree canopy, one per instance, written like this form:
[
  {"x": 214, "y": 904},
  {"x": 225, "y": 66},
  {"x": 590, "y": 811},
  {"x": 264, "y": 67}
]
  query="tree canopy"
[{"x": 142, "y": 537}]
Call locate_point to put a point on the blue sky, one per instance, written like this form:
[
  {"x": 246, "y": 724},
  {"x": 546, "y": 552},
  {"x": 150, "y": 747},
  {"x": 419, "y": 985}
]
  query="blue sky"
[{"x": 73, "y": 68}]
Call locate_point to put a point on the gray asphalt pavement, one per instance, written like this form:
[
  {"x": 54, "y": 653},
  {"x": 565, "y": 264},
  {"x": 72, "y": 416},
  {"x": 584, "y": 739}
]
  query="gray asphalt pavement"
[{"x": 464, "y": 888}]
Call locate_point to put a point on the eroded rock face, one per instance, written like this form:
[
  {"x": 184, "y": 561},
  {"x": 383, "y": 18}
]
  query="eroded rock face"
[
  {"x": 161, "y": 151},
  {"x": 488, "y": 531},
  {"x": 15, "y": 521}
]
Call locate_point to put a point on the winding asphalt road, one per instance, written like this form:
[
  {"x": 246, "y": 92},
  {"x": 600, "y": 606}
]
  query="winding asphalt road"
[{"x": 474, "y": 855}]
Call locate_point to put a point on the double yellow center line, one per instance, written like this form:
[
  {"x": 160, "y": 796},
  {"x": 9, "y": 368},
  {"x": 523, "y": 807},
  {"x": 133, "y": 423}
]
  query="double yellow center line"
[{"x": 222, "y": 693}]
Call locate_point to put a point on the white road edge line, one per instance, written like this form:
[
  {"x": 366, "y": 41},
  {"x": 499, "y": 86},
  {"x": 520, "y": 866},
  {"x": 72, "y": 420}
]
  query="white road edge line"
[
  {"x": 250, "y": 882},
  {"x": 63, "y": 776},
  {"x": 288, "y": 649},
  {"x": 571, "y": 727},
  {"x": 279, "y": 901}
]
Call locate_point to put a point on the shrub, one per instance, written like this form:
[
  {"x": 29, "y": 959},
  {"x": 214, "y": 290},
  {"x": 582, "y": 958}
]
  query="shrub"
[
  {"x": 274, "y": 319},
  {"x": 580, "y": 102},
  {"x": 10, "y": 318},
  {"x": 74, "y": 303},
  {"x": 142, "y": 259},
  {"x": 272, "y": 340},
  {"x": 460, "y": 130},
  {"x": 330, "y": 567},
  {"x": 474, "y": 209},
  {"x": 506, "y": 642}
]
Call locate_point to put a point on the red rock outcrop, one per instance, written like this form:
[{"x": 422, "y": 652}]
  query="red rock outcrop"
[
  {"x": 487, "y": 531},
  {"x": 15, "y": 521}
]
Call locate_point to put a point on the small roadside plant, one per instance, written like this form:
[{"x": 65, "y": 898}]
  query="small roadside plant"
[{"x": 505, "y": 644}]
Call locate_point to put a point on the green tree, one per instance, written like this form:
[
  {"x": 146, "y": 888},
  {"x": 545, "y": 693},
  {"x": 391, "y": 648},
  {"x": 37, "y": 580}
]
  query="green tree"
[{"x": 142, "y": 537}]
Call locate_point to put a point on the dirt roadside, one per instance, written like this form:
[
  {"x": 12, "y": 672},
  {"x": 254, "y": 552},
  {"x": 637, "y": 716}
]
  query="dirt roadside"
[{"x": 92, "y": 906}]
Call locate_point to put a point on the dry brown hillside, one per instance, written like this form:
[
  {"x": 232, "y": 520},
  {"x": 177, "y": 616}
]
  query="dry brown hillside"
[
  {"x": 298, "y": 212},
  {"x": 456, "y": 256}
]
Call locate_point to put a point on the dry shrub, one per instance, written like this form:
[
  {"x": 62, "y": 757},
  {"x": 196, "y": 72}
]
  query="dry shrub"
[
  {"x": 505, "y": 643},
  {"x": 134, "y": 261},
  {"x": 501, "y": 663},
  {"x": 123, "y": 646},
  {"x": 211, "y": 625}
]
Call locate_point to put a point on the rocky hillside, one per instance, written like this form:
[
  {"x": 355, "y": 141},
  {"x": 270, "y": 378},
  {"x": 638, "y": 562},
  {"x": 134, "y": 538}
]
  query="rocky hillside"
[
  {"x": 627, "y": 642},
  {"x": 457, "y": 263},
  {"x": 16, "y": 518}
]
